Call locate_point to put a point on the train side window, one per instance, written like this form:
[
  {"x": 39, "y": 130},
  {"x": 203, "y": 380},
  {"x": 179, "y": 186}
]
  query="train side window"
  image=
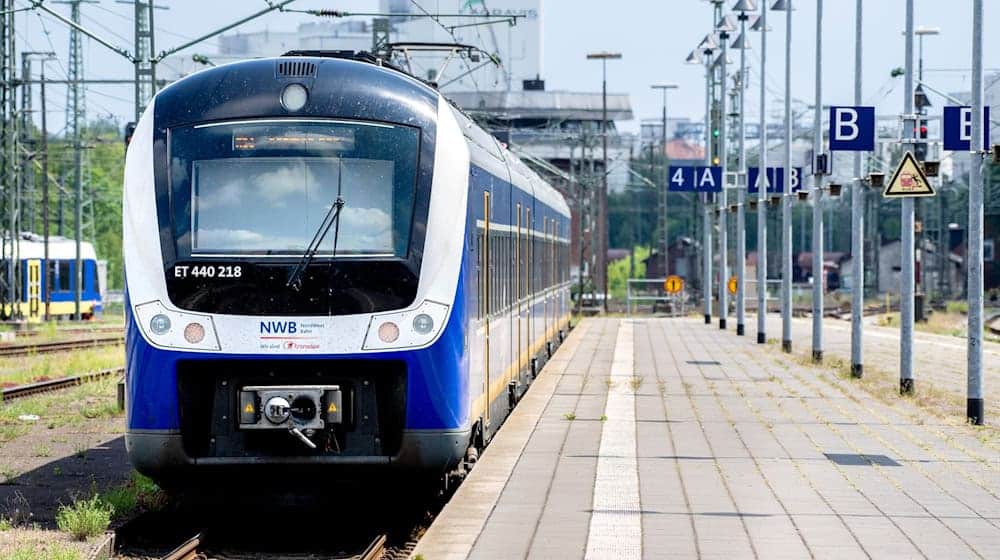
[
  {"x": 65, "y": 278},
  {"x": 479, "y": 274}
]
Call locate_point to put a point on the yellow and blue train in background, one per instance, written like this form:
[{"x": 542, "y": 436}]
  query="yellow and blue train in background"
[{"x": 30, "y": 283}]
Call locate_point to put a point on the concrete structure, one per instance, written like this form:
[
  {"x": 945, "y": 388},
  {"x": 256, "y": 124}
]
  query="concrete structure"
[{"x": 664, "y": 438}]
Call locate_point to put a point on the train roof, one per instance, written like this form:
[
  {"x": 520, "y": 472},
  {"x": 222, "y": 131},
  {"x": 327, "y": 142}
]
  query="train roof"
[{"x": 32, "y": 246}]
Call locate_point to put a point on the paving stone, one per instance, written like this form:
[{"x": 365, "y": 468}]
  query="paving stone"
[{"x": 735, "y": 458}]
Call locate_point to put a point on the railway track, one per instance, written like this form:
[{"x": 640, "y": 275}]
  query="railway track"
[
  {"x": 21, "y": 391},
  {"x": 195, "y": 547},
  {"x": 71, "y": 330},
  {"x": 15, "y": 350}
]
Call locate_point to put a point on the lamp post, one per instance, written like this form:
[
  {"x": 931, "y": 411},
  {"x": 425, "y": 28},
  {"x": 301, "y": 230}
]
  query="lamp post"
[
  {"x": 819, "y": 272},
  {"x": 857, "y": 224},
  {"x": 974, "y": 396},
  {"x": 663, "y": 152},
  {"x": 707, "y": 48},
  {"x": 742, "y": 43},
  {"x": 761, "y": 25},
  {"x": 604, "y": 57},
  {"x": 724, "y": 28},
  {"x": 786, "y": 198},
  {"x": 906, "y": 222}
]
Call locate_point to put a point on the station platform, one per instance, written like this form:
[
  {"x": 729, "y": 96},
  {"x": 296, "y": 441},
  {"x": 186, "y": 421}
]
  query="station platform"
[{"x": 657, "y": 438}]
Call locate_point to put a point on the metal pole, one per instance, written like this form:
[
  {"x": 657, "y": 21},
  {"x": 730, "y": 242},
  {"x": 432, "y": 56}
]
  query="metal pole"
[
  {"x": 604, "y": 181},
  {"x": 974, "y": 401},
  {"x": 857, "y": 224},
  {"x": 706, "y": 243},
  {"x": 762, "y": 189},
  {"x": 44, "y": 150},
  {"x": 906, "y": 254},
  {"x": 723, "y": 196},
  {"x": 741, "y": 190},
  {"x": 666, "y": 192},
  {"x": 819, "y": 274},
  {"x": 786, "y": 199}
]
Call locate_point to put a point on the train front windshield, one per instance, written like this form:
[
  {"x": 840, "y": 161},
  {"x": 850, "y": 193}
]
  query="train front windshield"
[{"x": 261, "y": 189}]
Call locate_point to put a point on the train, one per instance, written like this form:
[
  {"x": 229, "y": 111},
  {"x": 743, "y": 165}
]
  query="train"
[
  {"x": 328, "y": 265},
  {"x": 33, "y": 290}
]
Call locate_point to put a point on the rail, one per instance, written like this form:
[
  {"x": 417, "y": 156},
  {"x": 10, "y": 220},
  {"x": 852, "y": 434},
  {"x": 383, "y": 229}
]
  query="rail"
[
  {"x": 189, "y": 549},
  {"x": 21, "y": 391},
  {"x": 59, "y": 346}
]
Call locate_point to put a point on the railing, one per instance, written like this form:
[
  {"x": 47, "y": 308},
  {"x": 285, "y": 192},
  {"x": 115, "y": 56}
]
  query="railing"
[{"x": 651, "y": 291}]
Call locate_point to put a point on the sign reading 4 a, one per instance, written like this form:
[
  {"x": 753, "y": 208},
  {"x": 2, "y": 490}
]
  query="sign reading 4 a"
[{"x": 697, "y": 178}]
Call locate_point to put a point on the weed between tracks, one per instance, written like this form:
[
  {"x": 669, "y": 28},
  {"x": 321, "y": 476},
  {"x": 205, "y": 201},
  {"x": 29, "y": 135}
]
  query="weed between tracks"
[{"x": 84, "y": 519}]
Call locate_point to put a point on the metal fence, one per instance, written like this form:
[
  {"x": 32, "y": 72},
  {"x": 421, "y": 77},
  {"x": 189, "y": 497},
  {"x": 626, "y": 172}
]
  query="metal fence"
[{"x": 650, "y": 291}]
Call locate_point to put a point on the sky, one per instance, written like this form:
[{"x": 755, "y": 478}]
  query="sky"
[{"x": 654, "y": 37}]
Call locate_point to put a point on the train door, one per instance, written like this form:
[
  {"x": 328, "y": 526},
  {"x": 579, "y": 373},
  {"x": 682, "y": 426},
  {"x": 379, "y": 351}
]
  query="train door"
[
  {"x": 486, "y": 298},
  {"x": 517, "y": 290},
  {"x": 553, "y": 280},
  {"x": 34, "y": 288},
  {"x": 545, "y": 278},
  {"x": 528, "y": 293}
]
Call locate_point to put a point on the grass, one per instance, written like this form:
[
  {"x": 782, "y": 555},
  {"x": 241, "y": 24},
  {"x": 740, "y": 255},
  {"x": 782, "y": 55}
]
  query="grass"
[
  {"x": 70, "y": 407},
  {"x": 84, "y": 519},
  {"x": 39, "y": 367},
  {"x": 952, "y": 321},
  {"x": 884, "y": 386},
  {"x": 569, "y": 416},
  {"x": 48, "y": 552},
  {"x": 635, "y": 382},
  {"x": 137, "y": 494}
]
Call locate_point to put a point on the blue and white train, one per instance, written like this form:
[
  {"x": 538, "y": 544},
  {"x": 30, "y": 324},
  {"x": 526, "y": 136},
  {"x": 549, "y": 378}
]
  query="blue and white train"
[{"x": 436, "y": 283}]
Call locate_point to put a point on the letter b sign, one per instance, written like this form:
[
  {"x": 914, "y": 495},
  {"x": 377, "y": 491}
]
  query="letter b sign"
[{"x": 852, "y": 129}]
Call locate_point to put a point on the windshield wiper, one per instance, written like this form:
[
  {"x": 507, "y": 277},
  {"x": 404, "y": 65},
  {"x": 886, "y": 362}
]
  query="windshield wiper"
[{"x": 332, "y": 217}]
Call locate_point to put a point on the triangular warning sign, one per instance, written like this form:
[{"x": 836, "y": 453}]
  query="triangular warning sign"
[{"x": 908, "y": 180}]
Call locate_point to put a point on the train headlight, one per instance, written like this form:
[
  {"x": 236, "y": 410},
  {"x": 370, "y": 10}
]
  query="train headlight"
[
  {"x": 159, "y": 324},
  {"x": 423, "y": 323},
  {"x": 414, "y": 328},
  {"x": 388, "y": 332},
  {"x": 171, "y": 328},
  {"x": 194, "y": 333},
  {"x": 294, "y": 97}
]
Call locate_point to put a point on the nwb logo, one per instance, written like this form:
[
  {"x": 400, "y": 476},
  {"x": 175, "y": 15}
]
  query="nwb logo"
[{"x": 278, "y": 327}]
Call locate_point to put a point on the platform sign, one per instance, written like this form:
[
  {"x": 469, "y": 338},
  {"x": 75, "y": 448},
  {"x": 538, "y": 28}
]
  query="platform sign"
[
  {"x": 732, "y": 285},
  {"x": 695, "y": 178},
  {"x": 673, "y": 284},
  {"x": 852, "y": 129},
  {"x": 908, "y": 180},
  {"x": 957, "y": 128},
  {"x": 775, "y": 179}
]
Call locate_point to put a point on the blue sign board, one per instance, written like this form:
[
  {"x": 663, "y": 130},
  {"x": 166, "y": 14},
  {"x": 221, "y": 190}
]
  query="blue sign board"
[
  {"x": 852, "y": 129},
  {"x": 775, "y": 179},
  {"x": 957, "y": 129},
  {"x": 696, "y": 178}
]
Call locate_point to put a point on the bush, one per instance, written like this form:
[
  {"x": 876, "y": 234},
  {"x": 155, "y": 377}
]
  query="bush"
[
  {"x": 85, "y": 518},
  {"x": 138, "y": 493},
  {"x": 957, "y": 307}
]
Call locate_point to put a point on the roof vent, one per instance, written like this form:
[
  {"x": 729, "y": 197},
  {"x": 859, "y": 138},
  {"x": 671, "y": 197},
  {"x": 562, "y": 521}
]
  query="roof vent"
[{"x": 296, "y": 69}]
